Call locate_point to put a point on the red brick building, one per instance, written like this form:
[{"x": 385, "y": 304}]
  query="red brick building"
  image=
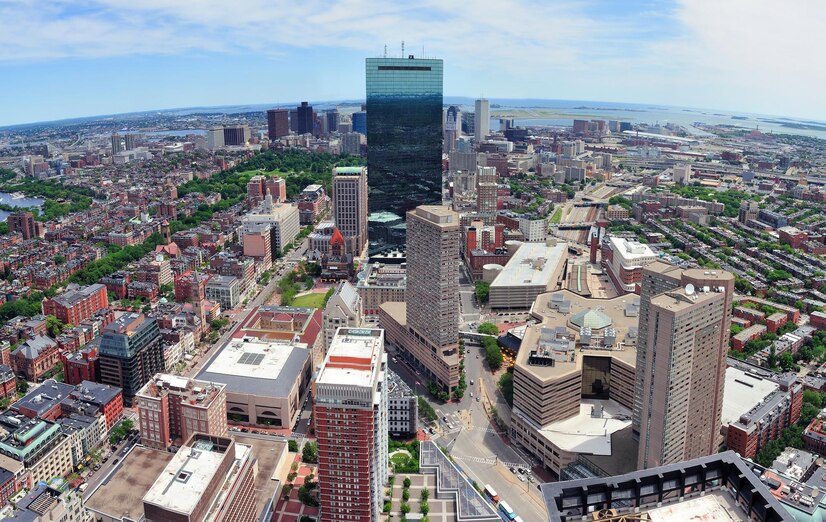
[
  {"x": 35, "y": 357},
  {"x": 173, "y": 408},
  {"x": 24, "y": 223},
  {"x": 8, "y": 383},
  {"x": 108, "y": 399},
  {"x": 776, "y": 321},
  {"x": 350, "y": 415},
  {"x": 792, "y": 236},
  {"x": 81, "y": 366},
  {"x": 191, "y": 286},
  {"x": 767, "y": 419},
  {"x": 73, "y": 306}
]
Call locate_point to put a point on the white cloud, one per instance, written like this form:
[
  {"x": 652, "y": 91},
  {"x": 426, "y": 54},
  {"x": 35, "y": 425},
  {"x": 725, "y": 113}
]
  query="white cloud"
[{"x": 751, "y": 55}]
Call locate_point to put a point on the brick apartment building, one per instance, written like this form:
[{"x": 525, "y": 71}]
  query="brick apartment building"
[
  {"x": 76, "y": 305},
  {"x": 173, "y": 408}
]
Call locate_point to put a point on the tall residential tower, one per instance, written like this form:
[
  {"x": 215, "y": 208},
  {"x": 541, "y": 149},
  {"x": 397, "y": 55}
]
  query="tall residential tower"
[
  {"x": 681, "y": 362},
  {"x": 350, "y": 411}
]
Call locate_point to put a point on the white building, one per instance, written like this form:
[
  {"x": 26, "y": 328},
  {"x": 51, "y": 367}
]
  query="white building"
[
  {"x": 225, "y": 290},
  {"x": 283, "y": 219},
  {"x": 534, "y": 269},
  {"x": 534, "y": 228},
  {"x": 343, "y": 309},
  {"x": 628, "y": 259},
  {"x": 681, "y": 174}
]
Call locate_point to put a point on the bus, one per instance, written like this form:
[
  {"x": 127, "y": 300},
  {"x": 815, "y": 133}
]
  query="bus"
[
  {"x": 491, "y": 493},
  {"x": 506, "y": 510}
]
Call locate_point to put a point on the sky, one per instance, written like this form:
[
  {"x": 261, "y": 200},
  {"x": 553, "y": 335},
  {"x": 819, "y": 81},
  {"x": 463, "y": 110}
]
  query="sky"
[{"x": 71, "y": 58}]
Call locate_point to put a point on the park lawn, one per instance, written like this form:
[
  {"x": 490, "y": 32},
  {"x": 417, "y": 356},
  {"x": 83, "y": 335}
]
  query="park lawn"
[
  {"x": 557, "y": 216},
  {"x": 313, "y": 300}
]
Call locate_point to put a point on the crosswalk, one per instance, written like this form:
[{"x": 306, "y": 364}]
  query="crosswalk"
[{"x": 487, "y": 460}]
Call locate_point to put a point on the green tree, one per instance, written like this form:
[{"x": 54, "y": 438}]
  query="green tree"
[
  {"x": 482, "y": 291},
  {"x": 506, "y": 385},
  {"x": 54, "y": 325},
  {"x": 493, "y": 354},
  {"x": 310, "y": 452},
  {"x": 488, "y": 328},
  {"x": 292, "y": 446}
]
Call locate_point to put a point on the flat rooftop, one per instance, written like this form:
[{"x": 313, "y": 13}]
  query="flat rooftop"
[
  {"x": 353, "y": 357},
  {"x": 717, "y": 506},
  {"x": 586, "y": 434},
  {"x": 180, "y": 486},
  {"x": 630, "y": 250},
  {"x": 533, "y": 264},
  {"x": 268, "y": 453},
  {"x": 743, "y": 391},
  {"x": 121, "y": 494},
  {"x": 250, "y": 365}
]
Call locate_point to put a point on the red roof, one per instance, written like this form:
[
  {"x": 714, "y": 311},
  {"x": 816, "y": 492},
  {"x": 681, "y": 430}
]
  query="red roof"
[{"x": 337, "y": 238}]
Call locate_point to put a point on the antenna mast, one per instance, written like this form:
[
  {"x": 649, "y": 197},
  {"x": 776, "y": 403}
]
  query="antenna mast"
[
  {"x": 385, "y": 50},
  {"x": 402, "y": 48}
]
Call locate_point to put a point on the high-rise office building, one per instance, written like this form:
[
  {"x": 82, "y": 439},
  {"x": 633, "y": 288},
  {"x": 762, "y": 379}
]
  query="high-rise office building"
[
  {"x": 350, "y": 206},
  {"x": 130, "y": 353},
  {"x": 360, "y": 122},
  {"x": 681, "y": 361},
  {"x": 24, "y": 223},
  {"x": 331, "y": 118},
  {"x": 130, "y": 141},
  {"x": 278, "y": 123},
  {"x": 351, "y": 143},
  {"x": 453, "y": 127},
  {"x": 350, "y": 412},
  {"x": 236, "y": 135},
  {"x": 481, "y": 120},
  {"x": 433, "y": 274},
  {"x": 117, "y": 144},
  {"x": 426, "y": 326},
  {"x": 305, "y": 118},
  {"x": 486, "y": 190},
  {"x": 404, "y": 134}
]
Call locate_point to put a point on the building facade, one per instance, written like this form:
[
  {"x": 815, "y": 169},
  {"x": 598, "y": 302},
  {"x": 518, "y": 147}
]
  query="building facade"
[
  {"x": 74, "y": 306},
  {"x": 681, "y": 366},
  {"x": 350, "y": 206},
  {"x": 350, "y": 412},
  {"x": 278, "y": 123},
  {"x": 173, "y": 408},
  {"x": 130, "y": 353},
  {"x": 404, "y": 133}
]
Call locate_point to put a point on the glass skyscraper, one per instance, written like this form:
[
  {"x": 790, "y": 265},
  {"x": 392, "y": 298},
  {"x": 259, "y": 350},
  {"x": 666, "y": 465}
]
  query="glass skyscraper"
[{"x": 404, "y": 138}]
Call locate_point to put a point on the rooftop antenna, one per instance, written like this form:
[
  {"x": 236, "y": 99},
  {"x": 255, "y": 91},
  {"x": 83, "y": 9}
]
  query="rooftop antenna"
[
  {"x": 385, "y": 50},
  {"x": 402, "y": 48}
]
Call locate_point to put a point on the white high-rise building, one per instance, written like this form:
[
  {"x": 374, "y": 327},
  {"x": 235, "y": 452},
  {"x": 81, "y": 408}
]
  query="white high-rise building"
[{"x": 482, "y": 119}]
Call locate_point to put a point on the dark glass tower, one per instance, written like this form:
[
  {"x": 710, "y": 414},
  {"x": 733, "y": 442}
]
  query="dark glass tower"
[{"x": 404, "y": 139}]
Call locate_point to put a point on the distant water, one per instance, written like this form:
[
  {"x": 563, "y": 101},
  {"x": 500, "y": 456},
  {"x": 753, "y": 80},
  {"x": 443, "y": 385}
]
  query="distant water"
[
  {"x": 7, "y": 199},
  {"x": 176, "y": 133},
  {"x": 563, "y": 112}
]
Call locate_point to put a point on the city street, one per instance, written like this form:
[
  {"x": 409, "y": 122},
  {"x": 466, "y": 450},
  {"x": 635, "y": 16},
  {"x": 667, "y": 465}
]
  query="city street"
[
  {"x": 280, "y": 269},
  {"x": 465, "y": 429}
]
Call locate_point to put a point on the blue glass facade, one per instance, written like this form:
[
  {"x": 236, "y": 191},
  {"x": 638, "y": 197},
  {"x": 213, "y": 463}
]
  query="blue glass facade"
[
  {"x": 404, "y": 135},
  {"x": 360, "y": 122}
]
